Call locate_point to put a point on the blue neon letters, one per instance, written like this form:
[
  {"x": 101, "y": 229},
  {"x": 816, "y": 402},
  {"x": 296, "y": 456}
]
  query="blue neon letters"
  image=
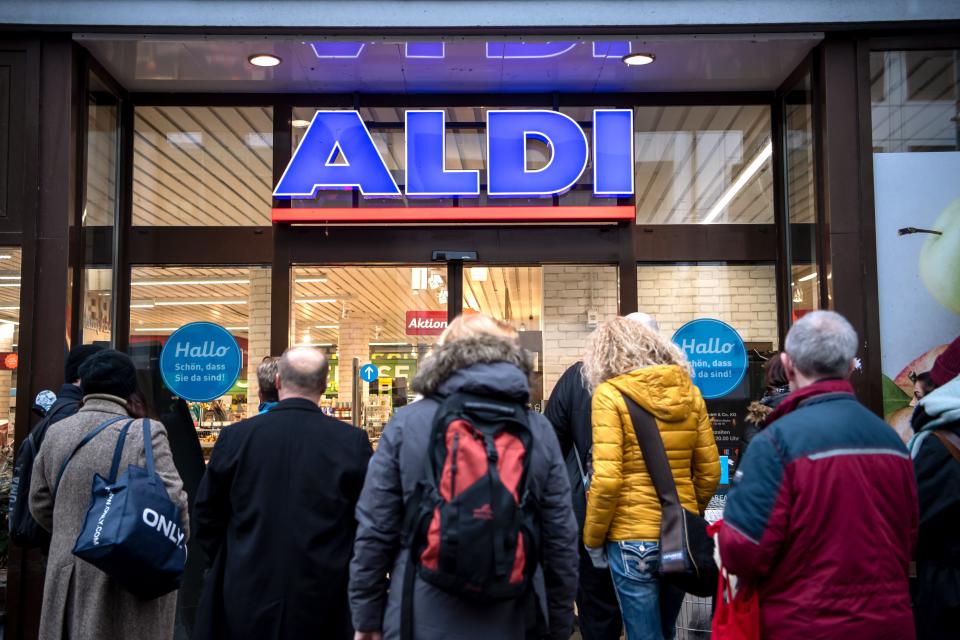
[{"x": 337, "y": 152}]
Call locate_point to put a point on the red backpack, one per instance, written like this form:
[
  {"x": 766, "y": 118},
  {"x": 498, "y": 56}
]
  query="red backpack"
[{"x": 469, "y": 524}]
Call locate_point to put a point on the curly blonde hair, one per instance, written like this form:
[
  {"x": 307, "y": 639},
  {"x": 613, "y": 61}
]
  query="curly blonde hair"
[{"x": 620, "y": 346}]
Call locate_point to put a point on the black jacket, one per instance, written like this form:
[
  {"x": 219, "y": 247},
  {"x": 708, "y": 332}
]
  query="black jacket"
[
  {"x": 937, "y": 602},
  {"x": 569, "y": 412},
  {"x": 275, "y": 512},
  {"x": 68, "y": 403}
]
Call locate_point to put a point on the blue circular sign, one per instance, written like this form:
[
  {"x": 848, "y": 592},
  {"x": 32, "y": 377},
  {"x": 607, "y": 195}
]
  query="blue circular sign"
[
  {"x": 200, "y": 362},
  {"x": 369, "y": 373},
  {"x": 717, "y": 354}
]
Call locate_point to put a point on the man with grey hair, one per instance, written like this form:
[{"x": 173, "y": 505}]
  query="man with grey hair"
[
  {"x": 822, "y": 517},
  {"x": 275, "y": 514}
]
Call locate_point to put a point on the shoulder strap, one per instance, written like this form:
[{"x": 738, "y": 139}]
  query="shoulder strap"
[
  {"x": 87, "y": 438},
  {"x": 654, "y": 454},
  {"x": 148, "y": 447},
  {"x": 950, "y": 442},
  {"x": 118, "y": 452}
]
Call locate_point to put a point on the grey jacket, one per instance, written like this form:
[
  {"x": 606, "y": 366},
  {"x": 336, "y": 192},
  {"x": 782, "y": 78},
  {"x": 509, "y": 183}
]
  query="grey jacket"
[
  {"x": 79, "y": 600},
  {"x": 482, "y": 366}
]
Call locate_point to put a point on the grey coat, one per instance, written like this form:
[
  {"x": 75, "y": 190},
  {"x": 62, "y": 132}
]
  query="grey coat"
[
  {"x": 481, "y": 366},
  {"x": 79, "y": 600}
]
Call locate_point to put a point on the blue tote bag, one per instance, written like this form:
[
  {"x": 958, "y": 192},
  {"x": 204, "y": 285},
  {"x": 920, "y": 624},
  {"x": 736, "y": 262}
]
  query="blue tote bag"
[{"x": 132, "y": 528}]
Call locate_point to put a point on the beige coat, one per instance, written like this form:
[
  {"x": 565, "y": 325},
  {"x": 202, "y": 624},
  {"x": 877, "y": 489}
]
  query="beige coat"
[{"x": 80, "y": 601}]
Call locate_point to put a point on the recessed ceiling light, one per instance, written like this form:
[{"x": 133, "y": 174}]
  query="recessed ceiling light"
[
  {"x": 300, "y": 124},
  {"x": 263, "y": 60},
  {"x": 638, "y": 59}
]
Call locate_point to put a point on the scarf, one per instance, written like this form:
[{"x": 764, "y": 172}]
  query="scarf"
[{"x": 818, "y": 388}]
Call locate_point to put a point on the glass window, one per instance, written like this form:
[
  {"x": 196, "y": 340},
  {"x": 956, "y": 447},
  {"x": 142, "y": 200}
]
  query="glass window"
[
  {"x": 916, "y": 171},
  {"x": 10, "y": 260},
  {"x": 703, "y": 164},
  {"x": 163, "y": 299},
  {"x": 744, "y": 297},
  {"x": 388, "y": 316},
  {"x": 203, "y": 166},
  {"x": 99, "y": 209},
  {"x": 801, "y": 199}
]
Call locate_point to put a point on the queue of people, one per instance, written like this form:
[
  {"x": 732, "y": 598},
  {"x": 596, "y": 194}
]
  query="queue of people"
[{"x": 477, "y": 517}]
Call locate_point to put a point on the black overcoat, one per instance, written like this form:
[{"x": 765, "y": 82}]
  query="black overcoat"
[{"x": 275, "y": 513}]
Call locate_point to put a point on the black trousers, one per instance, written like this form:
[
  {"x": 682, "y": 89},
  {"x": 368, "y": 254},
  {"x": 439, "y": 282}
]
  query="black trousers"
[{"x": 597, "y": 602}]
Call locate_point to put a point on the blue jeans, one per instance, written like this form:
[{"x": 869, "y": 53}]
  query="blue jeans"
[{"x": 649, "y": 606}]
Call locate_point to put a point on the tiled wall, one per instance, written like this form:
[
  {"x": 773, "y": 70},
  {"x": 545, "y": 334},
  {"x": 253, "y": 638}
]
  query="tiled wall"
[
  {"x": 569, "y": 292},
  {"x": 743, "y": 296}
]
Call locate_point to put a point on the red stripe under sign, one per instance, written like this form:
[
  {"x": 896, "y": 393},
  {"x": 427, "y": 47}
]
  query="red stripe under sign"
[{"x": 456, "y": 214}]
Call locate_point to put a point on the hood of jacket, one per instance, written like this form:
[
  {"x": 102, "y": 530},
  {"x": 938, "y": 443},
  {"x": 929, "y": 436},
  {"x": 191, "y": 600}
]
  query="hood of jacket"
[
  {"x": 666, "y": 391},
  {"x": 942, "y": 405},
  {"x": 484, "y": 365}
]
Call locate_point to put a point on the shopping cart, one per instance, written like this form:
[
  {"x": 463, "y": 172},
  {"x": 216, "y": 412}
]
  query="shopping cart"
[{"x": 693, "y": 623}]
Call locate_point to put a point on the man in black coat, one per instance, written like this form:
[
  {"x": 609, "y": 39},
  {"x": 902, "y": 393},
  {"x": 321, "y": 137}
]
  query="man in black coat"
[
  {"x": 275, "y": 512},
  {"x": 569, "y": 412}
]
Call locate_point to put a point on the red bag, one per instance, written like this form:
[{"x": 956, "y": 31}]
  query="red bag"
[{"x": 737, "y": 616}]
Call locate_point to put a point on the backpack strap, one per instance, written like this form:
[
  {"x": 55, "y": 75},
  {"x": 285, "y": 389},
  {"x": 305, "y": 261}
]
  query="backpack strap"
[
  {"x": 950, "y": 442},
  {"x": 87, "y": 438}
]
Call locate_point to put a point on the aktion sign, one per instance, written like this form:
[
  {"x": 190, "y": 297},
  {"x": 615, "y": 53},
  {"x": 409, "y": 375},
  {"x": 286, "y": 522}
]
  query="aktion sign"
[
  {"x": 200, "y": 362},
  {"x": 717, "y": 353},
  {"x": 426, "y": 323}
]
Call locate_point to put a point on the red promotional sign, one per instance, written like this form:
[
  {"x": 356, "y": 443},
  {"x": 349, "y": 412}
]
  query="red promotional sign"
[{"x": 426, "y": 323}]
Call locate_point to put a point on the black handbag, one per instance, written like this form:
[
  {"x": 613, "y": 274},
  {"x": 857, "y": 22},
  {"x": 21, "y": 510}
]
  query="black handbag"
[{"x": 686, "y": 549}]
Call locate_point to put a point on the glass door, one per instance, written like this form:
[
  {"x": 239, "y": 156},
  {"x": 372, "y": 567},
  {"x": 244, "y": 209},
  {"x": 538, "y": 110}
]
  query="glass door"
[{"x": 376, "y": 324}]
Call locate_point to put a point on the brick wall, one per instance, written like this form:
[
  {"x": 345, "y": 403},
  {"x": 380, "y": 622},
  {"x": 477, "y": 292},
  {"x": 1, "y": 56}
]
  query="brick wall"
[
  {"x": 258, "y": 345},
  {"x": 743, "y": 296},
  {"x": 569, "y": 292}
]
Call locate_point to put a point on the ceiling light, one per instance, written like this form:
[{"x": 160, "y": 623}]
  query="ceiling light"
[
  {"x": 320, "y": 326},
  {"x": 808, "y": 277},
  {"x": 638, "y": 59},
  {"x": 418, "y": 278},
  {"x": 10, "y": 285},
  {"x": 300, "y": 124},
  {"x": 194, "y": 303},
  {"x": 263, "y": 60},
  {"x": 5, "y": 257},
  {"x": 479, "y": 274},
  {"x": 9, "y": 277},
  {"x": 316, "y": 300},
  {"x": 389, "y": 344},
  {"x": 313, "y": 279},
  {"x": 177, "y": 283},
  {"x": 739, "y": 183},
  {"x": 9, "y": 308}
]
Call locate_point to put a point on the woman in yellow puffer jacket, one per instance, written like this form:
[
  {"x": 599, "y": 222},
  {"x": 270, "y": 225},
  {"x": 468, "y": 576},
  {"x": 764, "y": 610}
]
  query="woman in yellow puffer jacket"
[{"x": 622, "y": 526}]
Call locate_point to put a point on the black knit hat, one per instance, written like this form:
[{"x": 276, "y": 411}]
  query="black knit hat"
[
  {"x": 77, "y": 356},
  {"x": 109, "y": 372}
]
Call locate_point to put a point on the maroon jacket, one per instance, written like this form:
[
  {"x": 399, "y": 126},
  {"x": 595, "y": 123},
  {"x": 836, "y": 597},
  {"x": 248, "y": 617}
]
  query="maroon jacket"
[{"x": 822, "y": 518}]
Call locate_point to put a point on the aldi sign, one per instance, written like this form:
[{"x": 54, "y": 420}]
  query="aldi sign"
[
  {"x": 426, "y": 323},
  {"x": 337, "y": 152}
]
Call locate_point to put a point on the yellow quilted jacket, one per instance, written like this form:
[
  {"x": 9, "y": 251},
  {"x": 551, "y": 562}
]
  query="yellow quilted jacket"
[{"x": 622, "y": 503}]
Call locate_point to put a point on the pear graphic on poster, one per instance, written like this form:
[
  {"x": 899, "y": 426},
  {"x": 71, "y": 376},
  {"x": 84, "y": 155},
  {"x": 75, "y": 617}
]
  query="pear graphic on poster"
[{"x": 940, "y": 258}]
